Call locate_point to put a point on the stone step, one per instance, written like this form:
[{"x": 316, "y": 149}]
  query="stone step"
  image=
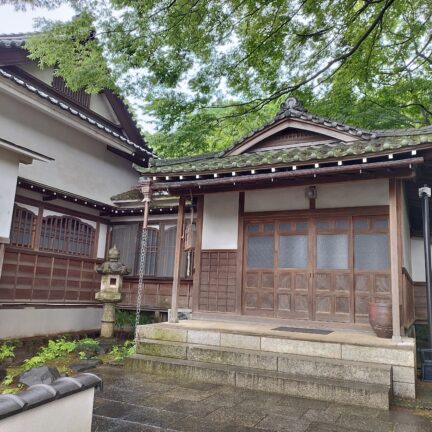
[
  {"x": 288, "y": 363},
  {"x": 327, "y": 389}
]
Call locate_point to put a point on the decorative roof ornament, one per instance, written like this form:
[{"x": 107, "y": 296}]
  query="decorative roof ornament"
[{"x": 292, "y": 105}]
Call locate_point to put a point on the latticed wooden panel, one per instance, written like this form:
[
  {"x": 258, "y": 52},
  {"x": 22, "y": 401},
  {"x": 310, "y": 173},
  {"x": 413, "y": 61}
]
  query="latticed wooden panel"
[
  {"x": 68, "y": 235},
  {"x": 23, "y": 228},
  {"x": 217, "y": 291}
]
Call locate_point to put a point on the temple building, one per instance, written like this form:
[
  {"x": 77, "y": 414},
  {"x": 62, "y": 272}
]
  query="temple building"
[{"x": 302, "y": 224}]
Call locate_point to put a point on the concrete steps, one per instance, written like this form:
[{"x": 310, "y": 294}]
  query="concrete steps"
[
  {"x": 237, "y": 359},
  {"x": 327, "y": 389},
  {"x": 318, "y": 367}
]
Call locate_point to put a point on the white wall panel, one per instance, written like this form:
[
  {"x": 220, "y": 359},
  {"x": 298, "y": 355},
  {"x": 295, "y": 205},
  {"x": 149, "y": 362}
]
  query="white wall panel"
[
  {"x": 29, "y": 322},
  {"x": 353, "y": 194},
  {"x": 220, "y": 224},
  {"x": 8, "y": 178},
  {"x": 292, "y": 198},
  {"x": 82, "y": 165},
  {"x": 103, "y": 230}
]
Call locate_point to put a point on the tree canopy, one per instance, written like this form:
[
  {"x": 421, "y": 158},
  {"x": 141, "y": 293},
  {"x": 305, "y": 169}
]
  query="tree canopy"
[{"x": 210, "y": 70}]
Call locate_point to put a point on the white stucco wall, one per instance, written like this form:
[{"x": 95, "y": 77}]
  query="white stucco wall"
[
  {"x": 332, "y": 195},
  {"x": 220, "y": 221},
  {"x": 417, "y": 260},
  {"x": 8, "y": 180},
  {"x": 103, "y": 230},
  {"x": 82, "y": 165},
  {"x": 30, "y": 321},
  {"x": 100, "y": 105},
  {"x": 406, "y": 236},
  {"x": 45, "y": 75},
  {"x": 70, "y": 414}
]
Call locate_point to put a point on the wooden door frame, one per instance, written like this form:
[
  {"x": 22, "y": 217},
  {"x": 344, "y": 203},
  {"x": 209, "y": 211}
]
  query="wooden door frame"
[{"x": 310, "y": 214}]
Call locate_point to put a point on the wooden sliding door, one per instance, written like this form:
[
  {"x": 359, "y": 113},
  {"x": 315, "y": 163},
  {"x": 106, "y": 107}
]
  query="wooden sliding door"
[{"x": 315, "y": 268}]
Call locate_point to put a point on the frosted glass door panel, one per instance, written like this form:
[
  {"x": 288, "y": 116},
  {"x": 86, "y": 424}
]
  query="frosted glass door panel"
[
  {"x": 371, "y": 252},
  {"x": 332, "y": 251},
  {"x": 261, "y": 252},
  {"x": 293, "y": 251}
]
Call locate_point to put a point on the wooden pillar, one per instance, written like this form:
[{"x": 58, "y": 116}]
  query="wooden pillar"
[
  {"x": 395, "y": 254},
  {"x": 2, "y": 254},
  {"x": 197, "y": 259},
  {"x": 239, "y": 269},
  {"x": 177, "y": 260}
]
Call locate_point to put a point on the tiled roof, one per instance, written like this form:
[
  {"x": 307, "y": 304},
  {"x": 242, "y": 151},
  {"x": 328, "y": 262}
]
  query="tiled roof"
[
  {"x": 293, "y": 108},
  {"x": 14, "y": 40},
  {"x": 84, "y": 117},
  {"x": 291, "y": 155}
]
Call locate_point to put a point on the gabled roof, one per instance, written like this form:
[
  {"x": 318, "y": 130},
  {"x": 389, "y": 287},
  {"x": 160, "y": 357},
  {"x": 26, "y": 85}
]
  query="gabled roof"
[
  {"x": 134, "y": 139},
  {"x": 358, "y": 143},
  {"x": 71, "y": 110},
  {"x": 294, "y": 109}
]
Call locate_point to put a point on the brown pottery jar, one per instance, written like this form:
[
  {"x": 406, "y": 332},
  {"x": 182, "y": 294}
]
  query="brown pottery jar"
[{"x": 380, "y": 318}]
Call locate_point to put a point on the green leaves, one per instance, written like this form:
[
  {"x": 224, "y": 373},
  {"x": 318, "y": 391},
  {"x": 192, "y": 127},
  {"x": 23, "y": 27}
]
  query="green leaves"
[{"x": 362, "y": 62}]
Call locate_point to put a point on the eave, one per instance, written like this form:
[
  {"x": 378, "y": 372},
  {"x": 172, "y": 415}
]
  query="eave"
[
  {"x": 360, "y": 169},
  {"x": 25, "y": 155}
]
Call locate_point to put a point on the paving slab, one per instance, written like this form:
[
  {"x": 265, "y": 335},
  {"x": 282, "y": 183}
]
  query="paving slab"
[{"x": 137, "y": 402}]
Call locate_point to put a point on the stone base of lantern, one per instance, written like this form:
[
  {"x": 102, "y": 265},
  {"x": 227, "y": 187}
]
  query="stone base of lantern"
[{"x": 109, "y": 300}]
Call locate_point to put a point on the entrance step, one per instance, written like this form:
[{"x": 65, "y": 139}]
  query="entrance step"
[
  {"x": 296, "y": 365},
  {"x": 297, "y": 385}
]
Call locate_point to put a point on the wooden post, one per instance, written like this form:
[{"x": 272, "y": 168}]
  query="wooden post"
[
  {"x": 395, "y": 245},
  {"x": 2, "y": 254},
  {"x": 177, "y": 260},
  {"x": 197, "y": 260}
]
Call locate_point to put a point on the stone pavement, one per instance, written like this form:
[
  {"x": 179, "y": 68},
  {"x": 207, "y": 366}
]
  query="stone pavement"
[{"x": 134, "y": 402}]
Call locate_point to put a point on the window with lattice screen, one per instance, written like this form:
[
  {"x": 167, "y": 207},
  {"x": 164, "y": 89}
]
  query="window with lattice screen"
[
  {"x": 68, "y": 235},
  {"x": 23, "y": 228}
]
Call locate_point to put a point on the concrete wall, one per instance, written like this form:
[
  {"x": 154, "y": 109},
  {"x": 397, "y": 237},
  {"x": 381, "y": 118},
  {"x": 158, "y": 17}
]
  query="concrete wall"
[
  {"x": 31, "y": 321},
  {"x": 82, "y": 165},
  {"x": 8, "y": 177},
  {"x": 332, "y": 195},
  {"x": 220, "y": 224},
  {"x": 70, "y": 414}
]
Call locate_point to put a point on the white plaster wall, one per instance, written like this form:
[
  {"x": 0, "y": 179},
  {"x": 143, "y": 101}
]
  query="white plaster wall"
[
  {"x": 70, "y": 414},
  {"x": 99, "y": 104},
  {"x": 82, "y": 165},
  {"x": 45, "y": 75},
  {"x": 353, "y": 194},
  {"x": 8, "y": 178},
  {"x": 103, "y": 230},
  {"x": 292, "y": 198},
  {"x": 30, "y": 321},
  {"x": 331, "y": 195},
  {"x": 406, "y": 236},
  {"x": 417, "y": 260},
  {"x": 220, "y": 221}
]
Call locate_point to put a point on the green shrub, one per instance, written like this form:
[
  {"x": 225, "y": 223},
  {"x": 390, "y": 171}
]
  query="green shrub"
[
  {"x": 7, "y": 351},
  {"x": 54, "y": 349},
  {"x": 122, "y": 351}
]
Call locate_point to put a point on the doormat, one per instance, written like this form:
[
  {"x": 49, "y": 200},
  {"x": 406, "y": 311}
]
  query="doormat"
[{"x": 303, "y": 330}]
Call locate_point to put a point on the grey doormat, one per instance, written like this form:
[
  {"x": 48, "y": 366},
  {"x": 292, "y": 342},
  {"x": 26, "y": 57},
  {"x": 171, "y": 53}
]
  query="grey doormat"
[{"x": 303, "y": 330}]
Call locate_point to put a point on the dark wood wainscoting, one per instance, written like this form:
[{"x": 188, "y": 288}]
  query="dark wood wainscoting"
[
  {"x": 217, "y": 287},
  {"x": 30, "y": 276},
  {"x": 157, "y": 293},
  {"x": 420, "y": 303}
]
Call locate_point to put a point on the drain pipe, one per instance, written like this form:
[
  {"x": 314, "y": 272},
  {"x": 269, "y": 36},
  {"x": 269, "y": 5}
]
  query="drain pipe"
[{"x": 425, "y": 194}]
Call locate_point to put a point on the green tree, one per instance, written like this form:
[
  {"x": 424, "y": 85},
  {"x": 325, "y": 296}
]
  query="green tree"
[{"x": 366, "y": 62}]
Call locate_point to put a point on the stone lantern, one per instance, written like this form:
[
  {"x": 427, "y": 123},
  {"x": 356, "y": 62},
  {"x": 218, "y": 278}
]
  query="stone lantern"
[{"x": 112, "y": 272}]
